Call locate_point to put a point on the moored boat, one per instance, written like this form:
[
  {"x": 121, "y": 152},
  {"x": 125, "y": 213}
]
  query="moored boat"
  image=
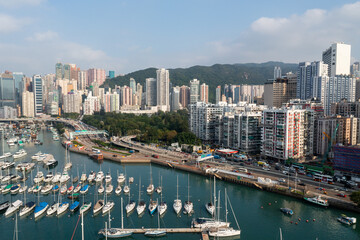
[
  {"x": 318, "y": 201},
  {"x": 346, "y": 220}
]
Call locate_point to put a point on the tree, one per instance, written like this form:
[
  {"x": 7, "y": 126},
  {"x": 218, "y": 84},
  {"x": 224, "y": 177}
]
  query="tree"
[{"x": 355, "y": 197}]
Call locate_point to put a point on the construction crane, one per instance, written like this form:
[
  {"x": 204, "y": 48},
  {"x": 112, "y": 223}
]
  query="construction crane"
[{"x": 331, "y": 142}]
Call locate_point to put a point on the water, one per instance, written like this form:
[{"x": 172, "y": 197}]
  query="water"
[{"x": 255, "y": 222}]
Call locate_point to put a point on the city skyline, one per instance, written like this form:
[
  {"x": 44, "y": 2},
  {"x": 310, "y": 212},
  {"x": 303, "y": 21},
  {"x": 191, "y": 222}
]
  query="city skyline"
[{"x": 128, "y": 35}]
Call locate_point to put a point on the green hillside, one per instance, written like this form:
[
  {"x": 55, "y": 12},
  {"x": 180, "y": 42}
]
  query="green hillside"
[{"x": 218, "y": 74}]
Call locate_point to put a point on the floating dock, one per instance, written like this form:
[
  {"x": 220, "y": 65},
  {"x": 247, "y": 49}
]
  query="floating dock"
[{"x": 167, "y": 230}]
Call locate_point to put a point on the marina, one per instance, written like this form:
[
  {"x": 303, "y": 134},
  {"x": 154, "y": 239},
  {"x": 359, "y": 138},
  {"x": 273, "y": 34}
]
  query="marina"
[{"x": 249, "y": 204}]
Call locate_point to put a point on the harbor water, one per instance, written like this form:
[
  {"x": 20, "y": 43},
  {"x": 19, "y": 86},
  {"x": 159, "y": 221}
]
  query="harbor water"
[{"x": 257, "y": 211}]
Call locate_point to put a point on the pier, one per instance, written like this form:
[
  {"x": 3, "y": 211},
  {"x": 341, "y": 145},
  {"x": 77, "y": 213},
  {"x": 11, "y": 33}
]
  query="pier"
[{"x": 167, "y": 230}]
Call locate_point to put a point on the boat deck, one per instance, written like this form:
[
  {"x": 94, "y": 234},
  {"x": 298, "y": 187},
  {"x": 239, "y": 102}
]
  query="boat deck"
[{"x": 168, "y": 230}]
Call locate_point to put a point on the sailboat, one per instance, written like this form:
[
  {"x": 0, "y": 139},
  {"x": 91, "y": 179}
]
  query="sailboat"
[
  {"x": 68, "y": 164},
  {"x": 118, "y": 190},
  {"x": 225, "y": 232},
  {"x": 85, "y": 206},
  {"x": 163, "y": 205},
  {"x": 210, "y": 207},
  {"x": 150, "y": 188},
  {"x": 189, "y": 206},
  {"x": 156, "y": 233},
  {"x": 28, "y": 208},
  {"x": 177, "y": 202},
  {"x": 140, "y": 209},
  {"x": 13, "y": 208},
  {"x": 159, "y": 188},
  {"x": 116, "y": 232},
  {"x": 109, "y": 205},
  {"x": 130, "y": 206},
  {"x": 53, "y": 208},
  {"x": 63, "y": 207},
  {"x": 108, "y": 178}
]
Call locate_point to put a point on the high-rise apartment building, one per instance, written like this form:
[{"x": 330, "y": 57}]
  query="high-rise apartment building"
[
  {"x": 38, "y": 94},
  {"x": 163, "y": 89},
  {"x": 277, "y": 72},
  {"x": 194, "y": 91},
  {"x": 82, "y": 80},
  {"x": 91, "y": 105},
  {"x": 184, "y": 96},
  {"x": 218, "y": 94},
  {"x": 59, "y": 71},
  {"x": 204, "y": 93},
  {"x": 337, "y": 57},
  {"x": 72, "y": 102},
  {"x": 279, "y": 91},
  {"x": 28, "y": 108},
  {"x": 96, "y": 75},
  {"x": 287, "y": 133},
  {"x": 175, "y": 99},
  {"x": 139, "y": 93},
  {"x": 307, "y": 77},
  {"x": 133, "y": 85},
  {"x": 151, "y": 94},
  {"x": 126, "y": 96}
]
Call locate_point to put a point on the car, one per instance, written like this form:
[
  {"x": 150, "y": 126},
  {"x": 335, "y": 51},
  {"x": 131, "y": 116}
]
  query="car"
[
  {"x": 282, "y": 180},
  {"x": 146, "y": 155},
  {"x": 341, "y": 194},
  {"x": 114, "y": 155},
  {"x": 302, "y": 184}
]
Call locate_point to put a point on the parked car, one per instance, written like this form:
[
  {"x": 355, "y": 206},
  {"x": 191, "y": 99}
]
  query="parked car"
[
  {"x": 341, "y": 194},
  {"x": 282, "y": 180},
  {"x": 302, "y": 184}
]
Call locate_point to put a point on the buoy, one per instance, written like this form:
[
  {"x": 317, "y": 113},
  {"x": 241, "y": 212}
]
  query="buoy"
[
  {"x": 299, "y": 219},
  {"x": 307, "y": 221},
  {"x": 314, "y": 220},
  {"x": 275, "y": 201},
  {"x": 262, "y": 207},
  {"x": 269, "y": 204},
  {"x": 291, "y": 222},
  {"x": 296, "y": 223}
]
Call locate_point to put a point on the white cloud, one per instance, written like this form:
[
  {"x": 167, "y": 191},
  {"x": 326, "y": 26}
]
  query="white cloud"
[
  {"x": 292, "y": 39},
  {"x": 20, "y": 3},
  {"x": 11, "y": 24},
  {"x": 43, "y": 36}
]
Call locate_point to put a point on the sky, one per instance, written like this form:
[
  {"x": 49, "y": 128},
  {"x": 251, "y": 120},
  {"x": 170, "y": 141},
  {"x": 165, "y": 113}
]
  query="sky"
[{"x": 129, "y": 35}]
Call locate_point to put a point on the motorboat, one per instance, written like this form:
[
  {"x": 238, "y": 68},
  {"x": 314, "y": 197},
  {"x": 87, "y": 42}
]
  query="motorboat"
[
  {"x": 27, "y": 209},
  {"x": 98, "y": 206},
  {"x": 131, "y": 179},
  {"x": 23, "y": 189},
  {"x": 84, "y": 189},
  {"x": 92, "y": 176},
  {"x": 24, "y": 167},
  {"x": 55, "y": 188},
  {"x": 47, "y": 189},
  {"x": 85, "y": 207},
  {"x": 207, "y": 223},
  {"x": 318, "y": 200},
  {"x": 40, "y": 209},
  {"x": 15, "y": 178},
  {"x": 287, "y": 211},
  {"x": 37, "y": 188},
  {"x": 36, "y": 156},
  {"x": 7, "y": 165},
  {"x": 63, "y": 207},
  {"x": 108, "y": 178},
  {"x": 74, "y": 206},
  {"x": 7, "y": 178},
  {"x": 99, "y": 177},
  {"x": 121, "y": 178},
  {"x": 4, "y": 206},
  {"x": 56, "y": 178},
  {"x": 53, "y": 209},
  {"x": 346, "y": 220},
  {"x": 109, "y": 188},
  {"x": 70, "y": 189},
  {"x": 21, "y": 153},
  {"x": 64, "y": 177},
  {"x": 130, "y": 206},
  {"x": 152, "y": 206},
  {"x": 51, "y": 163},
  {"x": 15, "y": 206},
  {"x": 39, "y": 177},
  {"x": 6, "y": 189},
  {"x": 63, "y": 189},
  {"x": 107, "y": 207},
  {"x": 83, "y": 178},
  {"x": 49, "y": 177}
]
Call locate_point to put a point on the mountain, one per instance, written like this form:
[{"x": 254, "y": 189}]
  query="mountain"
[{"x": 218, "y": 74}]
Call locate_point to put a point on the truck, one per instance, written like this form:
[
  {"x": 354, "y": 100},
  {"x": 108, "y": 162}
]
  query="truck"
[{"x": 261, "y": 163}]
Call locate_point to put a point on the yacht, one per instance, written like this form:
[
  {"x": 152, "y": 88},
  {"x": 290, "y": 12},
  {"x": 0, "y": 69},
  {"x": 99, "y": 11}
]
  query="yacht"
[
  {"x": 92, "y": 176},
  {"x": 107, "y": 207},
  {"x": 39, "y": 177},
  {"x": 13, "y": 207},
  {"x": 101, "y": 189},
  {"x": 109, "y": 189},
  {"x": 140, "y": 209},
  {"x": 84, "y": 189},
  {"x": 224, "y": 233},
  {"x": 118, "y": 190},
  {"x": 318, "y": 200},
  {"x": 40, "y": 209},
  {"x": 64, "y": 177},
  {"x": 85, "y": 207},
  {"x": 83, "y": 178},
  {"x": 177, "y": 202},
  {"x": 210, "y": 207},
  {"x": 53, "y": 209},
  {"x": 98, "y": 206},
  {"x": 207, "y": 223},
  {"x": 77, "y": 188},
  {"x": 21, "y": 153},
  {"x": 108, "y": 178},
  {"x": 99, "y": 177},
  {"x": 27, "y": 209},
  {"x": 47, "y": 189},
  {"x": 49, "y": 177},
  {"x": 4, "y": 206},
  {"x": 346, "y": 220},
  {"x": 126, "y": 189},
  {"x": 121, "y": 178},
  {"x": 63, "y": 207},
  {"x": 56, "y": 178},
  {"x": 152, "y": 206},
  {"x": 189, "y": 206}
]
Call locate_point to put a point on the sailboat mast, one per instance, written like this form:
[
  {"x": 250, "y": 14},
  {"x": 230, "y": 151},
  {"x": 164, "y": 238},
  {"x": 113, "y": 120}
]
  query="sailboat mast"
[
  {"x": 226, "y": 212},
  {"x": 139, "y": 190},
  {"x": 122, "y": 217},
  {"x": 219, "y": 207},
  {"x": 177, "y": 187},
  {"x": 281, "y": 234},
  {"x": 188, "y": 189},
  {"x": 82, "y": 226},
  {"x": 158, "y": 215}
]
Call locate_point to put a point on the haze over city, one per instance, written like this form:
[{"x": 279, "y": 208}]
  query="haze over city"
[{"x": 129, "y": 35}]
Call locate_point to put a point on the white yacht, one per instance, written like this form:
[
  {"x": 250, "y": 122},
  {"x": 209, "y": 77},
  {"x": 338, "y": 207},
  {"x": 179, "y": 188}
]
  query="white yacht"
[
  {"x": 64, "y": 177},
  {"x": 177, "y": 202},
  {"x": 107, "y": 207},
  {"x": 121, "y": 178},
  {"x": 53, "y": 209},
  {"x": 92, "y": 176},
  {"x": 39, "y": 177},
  {"x": 118, "y": 190},
  {"x": 109, "y": 189},
  {"x": 21, "y": 153},
  {"x": 63, "y": 207},
  {"x": 108, "y": 178},
  {"x": 99, "y": 177},
  {"x": 15, "y": 206},
  {"x": 49, "y": 177},
  {"x": 56, "y": 178}
]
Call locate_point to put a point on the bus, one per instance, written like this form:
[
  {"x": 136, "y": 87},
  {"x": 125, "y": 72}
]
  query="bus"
[
  {"x": 94, "y": 150},
  {"x": 323, "y": 178}
]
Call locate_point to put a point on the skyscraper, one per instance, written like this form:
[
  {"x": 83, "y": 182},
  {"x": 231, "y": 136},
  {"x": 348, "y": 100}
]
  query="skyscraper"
[
  {"x": 96, "y": 75},
  {"x": 184, "y": 96},
  {"x": 194, "y": 91},
  {"x": 82, "y": 80},
  {"x": 59, "y": 71},
  {"x": 151, "y": 96},
  {"x": 175, "y": 98},
  {"x": 218, "y": 94},
  {"x": 7, "y": 90},
  {"x": 111, "y": 74},
  {"x": 67, "y": 71},
  {"x": 133, "y": 85},
  {"x": 204, "y": 93},
  {"x": 38, "y": 94},
  {"x": 337, "y": 57},
  {"x": 163, "y": 82},
  {"x": 139, "y": 93},
  {"x": 28, "y": 104}
]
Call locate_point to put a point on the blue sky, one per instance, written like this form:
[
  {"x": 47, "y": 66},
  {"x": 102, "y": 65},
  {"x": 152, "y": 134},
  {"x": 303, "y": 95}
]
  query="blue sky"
[{"x": 129, "y": 35}]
